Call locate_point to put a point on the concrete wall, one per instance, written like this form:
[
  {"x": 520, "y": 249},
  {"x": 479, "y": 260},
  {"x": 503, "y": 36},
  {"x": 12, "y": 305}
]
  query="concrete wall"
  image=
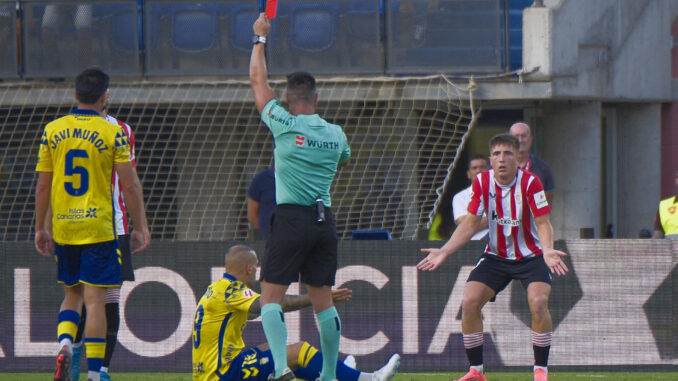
[
  {"x": 669, "y": 149},
  {"x": 610, "y": 49},
  {"x": 570, "y": 143},
  {"x": 638, "y": 168},
  {"x": 605, "y": 51}
]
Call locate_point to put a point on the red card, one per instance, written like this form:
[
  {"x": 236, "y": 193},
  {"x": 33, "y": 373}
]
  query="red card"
[{"x": 271, "y": 8}]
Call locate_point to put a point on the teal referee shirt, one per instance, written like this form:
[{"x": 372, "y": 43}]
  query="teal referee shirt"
[{"x": 307, "y": 152}]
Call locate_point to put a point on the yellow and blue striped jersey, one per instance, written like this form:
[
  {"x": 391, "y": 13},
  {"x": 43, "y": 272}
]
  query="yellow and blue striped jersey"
[
  {"x": 80, "y": 150},
  {"x": 219, "y": 321}
]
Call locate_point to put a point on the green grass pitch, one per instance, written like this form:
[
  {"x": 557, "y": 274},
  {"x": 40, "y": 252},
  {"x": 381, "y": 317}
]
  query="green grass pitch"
[{"x": 491, "y": 376}]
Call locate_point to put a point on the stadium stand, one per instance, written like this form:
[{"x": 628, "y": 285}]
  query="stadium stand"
[
  {"x": 313, "y": 29},
  {"x": 360, "y": 35},
  {"x": 8, "y": 52},
  {"x": 515, "y": 30}
]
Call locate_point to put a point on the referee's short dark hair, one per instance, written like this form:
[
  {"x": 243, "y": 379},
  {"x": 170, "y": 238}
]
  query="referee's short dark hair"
[
  {"x": 301, "y": 87},
  {"x": 90, "y": 85},
  {"x": 505, "y": 139}
]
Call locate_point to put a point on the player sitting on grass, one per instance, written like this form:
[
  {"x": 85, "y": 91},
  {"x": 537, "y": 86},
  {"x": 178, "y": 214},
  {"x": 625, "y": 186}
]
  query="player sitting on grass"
[{"x": 219, "y": 350}]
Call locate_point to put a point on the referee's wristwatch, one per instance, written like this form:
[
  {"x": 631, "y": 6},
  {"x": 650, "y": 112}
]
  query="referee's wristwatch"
[{"x": 258, "y": 39}]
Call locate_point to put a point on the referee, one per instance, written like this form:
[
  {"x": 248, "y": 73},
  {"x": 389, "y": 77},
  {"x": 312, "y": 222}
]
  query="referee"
[{"x": 303, "y": 237}]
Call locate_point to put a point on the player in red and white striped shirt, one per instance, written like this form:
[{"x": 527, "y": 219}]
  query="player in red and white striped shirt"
[
  {"x": 520, "y": 247},
  {"x": 121, "y": 222}
]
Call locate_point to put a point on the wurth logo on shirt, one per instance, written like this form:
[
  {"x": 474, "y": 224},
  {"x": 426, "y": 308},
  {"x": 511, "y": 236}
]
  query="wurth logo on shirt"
[
  {"x": 300, "y": 139},
  {"x": 323, "y": 145}
]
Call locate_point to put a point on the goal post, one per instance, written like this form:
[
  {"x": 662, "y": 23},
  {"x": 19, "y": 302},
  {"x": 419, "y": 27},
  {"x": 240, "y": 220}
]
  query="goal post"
[{"x": 200, "y": 143}]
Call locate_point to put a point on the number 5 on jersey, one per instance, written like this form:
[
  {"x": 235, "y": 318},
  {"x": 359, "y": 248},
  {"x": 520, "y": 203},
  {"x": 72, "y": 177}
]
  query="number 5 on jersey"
[{"x": 72, "y": 170}]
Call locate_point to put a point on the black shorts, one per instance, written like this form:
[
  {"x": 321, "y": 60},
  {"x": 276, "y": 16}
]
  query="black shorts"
[
  {"x": 497, "y": 273},
  {"x": 126, "y": 269},
  {"x": 297, "y": 244}
]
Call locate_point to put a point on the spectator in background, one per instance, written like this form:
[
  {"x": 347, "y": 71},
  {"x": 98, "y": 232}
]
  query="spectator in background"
[
  {"x": 666, "y": 219},
  {"x": 530, "y": 162},
  {"x": 443, "y": 224},
  {"x": 261, "y": 202},
  {"x": 476, "y": 165}
]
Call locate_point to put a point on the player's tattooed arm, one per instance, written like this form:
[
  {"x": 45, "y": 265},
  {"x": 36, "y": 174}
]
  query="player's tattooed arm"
[
  {"x": 289, "y": 303},
  {"x": 255, "y": 310},
  {"x": 297, "y": 302}
]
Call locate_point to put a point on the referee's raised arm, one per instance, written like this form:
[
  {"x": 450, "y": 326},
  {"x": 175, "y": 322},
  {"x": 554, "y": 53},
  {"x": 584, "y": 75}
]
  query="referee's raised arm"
[{"x": 258, "y": 70}]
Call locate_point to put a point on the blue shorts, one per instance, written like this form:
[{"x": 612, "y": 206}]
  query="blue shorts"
[
  {"x": 251, "y": 364},
  {"x": 96, "y": 264}
]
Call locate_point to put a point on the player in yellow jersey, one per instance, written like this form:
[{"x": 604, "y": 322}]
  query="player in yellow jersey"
[
  {"x": 78, "y": 154},
  {"x": 219, "y": 352}
]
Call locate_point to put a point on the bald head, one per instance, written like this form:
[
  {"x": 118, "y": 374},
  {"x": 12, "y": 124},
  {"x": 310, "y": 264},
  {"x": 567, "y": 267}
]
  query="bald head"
[
  {"x": 238, "y": 258},
  {"x": 522, "y": 131},
  {"x": 519, "y": 128}
]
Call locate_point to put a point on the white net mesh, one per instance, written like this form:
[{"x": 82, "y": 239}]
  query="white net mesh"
[{"x": 199, "y": 145}]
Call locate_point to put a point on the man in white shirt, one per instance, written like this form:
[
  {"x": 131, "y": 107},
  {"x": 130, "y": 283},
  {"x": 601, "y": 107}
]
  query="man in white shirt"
[{"x": 476, "y": 165}]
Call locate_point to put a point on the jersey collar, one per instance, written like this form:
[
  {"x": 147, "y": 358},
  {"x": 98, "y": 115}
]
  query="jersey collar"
[
  {"x": 79, "y": 111},
  {"x": 229, "y": 277},
  {"x": 509, "y": 185}
]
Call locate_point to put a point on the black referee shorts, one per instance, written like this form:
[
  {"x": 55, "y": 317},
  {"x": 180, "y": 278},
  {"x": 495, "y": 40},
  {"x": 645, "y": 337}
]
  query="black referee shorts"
[
  {"x": 126, "y": 269},
  {"x": 497, "y": 273},
  {"x": 297, "y": 244}
]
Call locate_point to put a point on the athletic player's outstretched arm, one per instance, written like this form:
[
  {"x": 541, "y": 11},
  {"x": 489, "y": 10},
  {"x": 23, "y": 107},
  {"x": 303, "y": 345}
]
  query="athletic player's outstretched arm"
[
  {"x": 134, "y": 199},
  {"x": 459, "y": 238},
  {"x": 297, "y": 302},
  {"x": 258, "y": 70},
  {"x": 552, "y": 257}
]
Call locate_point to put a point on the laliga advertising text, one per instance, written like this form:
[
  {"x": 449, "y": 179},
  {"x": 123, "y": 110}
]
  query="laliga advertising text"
[{"x": 24, "y": 346}]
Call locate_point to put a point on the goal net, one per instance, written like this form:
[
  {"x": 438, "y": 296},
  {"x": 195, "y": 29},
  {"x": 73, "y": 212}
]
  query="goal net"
[{"x": 199, "y": 144}]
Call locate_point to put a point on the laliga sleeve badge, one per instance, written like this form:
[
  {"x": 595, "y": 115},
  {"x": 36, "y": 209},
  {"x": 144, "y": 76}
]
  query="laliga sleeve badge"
[{"x": 540, "y": 199}]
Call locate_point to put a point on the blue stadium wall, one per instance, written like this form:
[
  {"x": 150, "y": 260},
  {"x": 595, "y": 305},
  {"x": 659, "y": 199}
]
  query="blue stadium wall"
[
  {"x": 157, "y": 38},
  {"x": 616, "y": 308}
]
